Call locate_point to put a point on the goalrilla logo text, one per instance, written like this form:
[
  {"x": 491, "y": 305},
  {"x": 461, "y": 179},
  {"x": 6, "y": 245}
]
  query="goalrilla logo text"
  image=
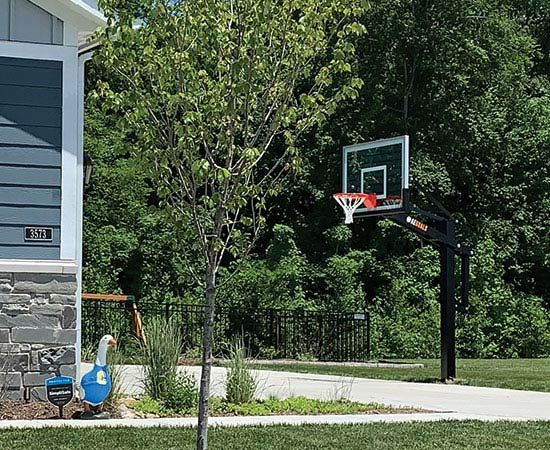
[{"x": 417, "y": 224}]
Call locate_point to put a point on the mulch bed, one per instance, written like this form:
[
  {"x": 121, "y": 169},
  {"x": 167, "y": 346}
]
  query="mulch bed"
[
  {"x": 20, "y": 410},
  {"x": 14, "y": 410}
]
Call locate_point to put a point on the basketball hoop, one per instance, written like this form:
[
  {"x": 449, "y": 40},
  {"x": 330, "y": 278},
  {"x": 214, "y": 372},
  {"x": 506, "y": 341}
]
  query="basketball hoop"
[{"x": 350, "y": 201}]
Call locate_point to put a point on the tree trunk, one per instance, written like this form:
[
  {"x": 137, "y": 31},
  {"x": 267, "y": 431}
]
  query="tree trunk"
[{"x": 204, "y": 393}]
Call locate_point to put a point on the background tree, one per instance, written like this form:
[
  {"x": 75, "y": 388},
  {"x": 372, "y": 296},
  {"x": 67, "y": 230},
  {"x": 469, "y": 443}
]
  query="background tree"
[
  {"x": 465, "y": 80},
  {"x": 130, "y": 246},
  {"x": 479, "y": 118},
  {"x": 215, "y": 95}
]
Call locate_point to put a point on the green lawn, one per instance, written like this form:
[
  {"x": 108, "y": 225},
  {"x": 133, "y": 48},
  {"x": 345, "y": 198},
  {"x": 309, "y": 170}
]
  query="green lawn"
[
  {"x": 419, "y": 436},
  {"x": 525, "y": 374}
]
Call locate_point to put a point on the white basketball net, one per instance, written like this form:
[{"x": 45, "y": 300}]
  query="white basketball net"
[{"x": 349, "y": 203}]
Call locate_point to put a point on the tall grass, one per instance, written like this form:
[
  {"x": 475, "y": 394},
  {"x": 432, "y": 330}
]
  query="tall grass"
[
  {"x": 240, "y": 383},
  {"x": 88, "y": 352},
  {"x": 160, "y": 356},
  {"x": 115, "y": 358}
]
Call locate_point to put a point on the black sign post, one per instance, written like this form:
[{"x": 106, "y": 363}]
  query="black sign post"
[{"x": 60, "y": 391}]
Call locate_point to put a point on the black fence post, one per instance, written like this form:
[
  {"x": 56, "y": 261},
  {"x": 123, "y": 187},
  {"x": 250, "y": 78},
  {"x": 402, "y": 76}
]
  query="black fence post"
[{"x": 368, "y": 329}]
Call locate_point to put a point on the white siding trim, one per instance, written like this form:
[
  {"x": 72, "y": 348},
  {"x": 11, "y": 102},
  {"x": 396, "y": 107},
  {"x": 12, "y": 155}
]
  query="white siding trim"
[
  {"x": 26, "y": 266},
  {"x": 79, "y": 210},
  {"x": 14, "y": 49},
  {"x": 70, "y": 174}
]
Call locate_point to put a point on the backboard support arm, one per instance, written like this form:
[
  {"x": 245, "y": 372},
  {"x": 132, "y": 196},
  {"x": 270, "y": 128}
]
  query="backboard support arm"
[{"x": 436, "y": 203}]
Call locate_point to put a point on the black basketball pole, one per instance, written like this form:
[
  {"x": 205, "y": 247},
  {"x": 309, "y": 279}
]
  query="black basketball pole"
[
  {"x": 441, "y": 233},
  {"x": 447, "y": 301}
]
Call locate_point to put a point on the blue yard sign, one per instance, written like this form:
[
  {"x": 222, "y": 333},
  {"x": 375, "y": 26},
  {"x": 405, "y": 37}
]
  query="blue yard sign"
[{"x": 60, "y": 391}]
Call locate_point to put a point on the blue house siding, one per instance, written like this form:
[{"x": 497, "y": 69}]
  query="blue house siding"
[
  {"x": 15, "y": 195},
  {"x": 42, "y": 117},
  {"x": 30, "y": 155},
  {"x": 41, "y": 156},
  {"x": 28, "y": 176},
  {"x": 31, "y": 252},
  {"x": 16, "y": 71}
]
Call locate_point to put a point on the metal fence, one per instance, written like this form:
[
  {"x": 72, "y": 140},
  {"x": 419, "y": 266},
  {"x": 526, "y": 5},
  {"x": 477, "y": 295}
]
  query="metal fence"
[{"x": 268, "y": 333}]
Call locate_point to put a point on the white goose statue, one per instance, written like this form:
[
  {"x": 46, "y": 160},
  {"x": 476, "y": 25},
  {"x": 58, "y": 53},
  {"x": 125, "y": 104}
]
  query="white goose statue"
[{"x": 96, "y": 384}]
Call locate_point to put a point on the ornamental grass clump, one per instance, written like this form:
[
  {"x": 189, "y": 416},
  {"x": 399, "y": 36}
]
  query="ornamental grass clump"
[
  {"x": 161, "y": 354},
  {"x": 240, "y": 383},
  {"x": 115, "y": 360}
]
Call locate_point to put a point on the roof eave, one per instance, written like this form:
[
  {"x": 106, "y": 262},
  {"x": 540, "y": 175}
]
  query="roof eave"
[{"x": 87, "y": 47}]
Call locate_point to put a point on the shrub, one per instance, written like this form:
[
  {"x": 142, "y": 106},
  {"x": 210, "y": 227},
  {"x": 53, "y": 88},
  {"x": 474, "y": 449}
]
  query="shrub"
[
  {"x": 338, "y": 238},
  {"x": 260, "y": 284},
  {"x": 344, "y": 286},
  {"x": 274, "y": 282},
  {"x": 505, "y": 324},
  {"x": 182, "y": 394},
  {"x": 405, "y": 319},
  {"x": 282, "y": 244},
  {"x": 161, "y": 354},
  {"x": 240, "y": 383}
]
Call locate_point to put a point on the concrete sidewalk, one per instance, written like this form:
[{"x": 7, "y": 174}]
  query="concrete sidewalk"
[
  {"x": 459, "y": 401},
  {"x": 248, "y": 421}
]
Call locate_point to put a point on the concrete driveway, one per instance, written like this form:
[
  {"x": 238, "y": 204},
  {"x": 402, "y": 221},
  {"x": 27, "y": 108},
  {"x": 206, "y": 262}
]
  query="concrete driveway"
[{"x": 491, "y": 403}]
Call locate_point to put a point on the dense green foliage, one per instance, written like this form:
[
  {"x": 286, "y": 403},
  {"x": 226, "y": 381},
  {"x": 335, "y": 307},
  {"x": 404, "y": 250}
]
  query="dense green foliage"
[
  {"x": 128, "y": 245},
  {"x": 475, "y": 76},
  {"x": 383, "y": 436}
]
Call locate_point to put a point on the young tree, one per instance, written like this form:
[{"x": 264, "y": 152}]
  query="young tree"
[{"x": 216, "y": 94}]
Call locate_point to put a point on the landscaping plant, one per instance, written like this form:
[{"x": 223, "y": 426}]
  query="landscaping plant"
[
  {"x": 240, "y": 384},
  {"x": 161, "y": 353},
  {"x": 182, "y": 394},
  {"x": 115, "y": 362},
  {"x": 269, "y": 407}
]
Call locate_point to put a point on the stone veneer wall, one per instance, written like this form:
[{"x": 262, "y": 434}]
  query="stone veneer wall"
[{"x": 37, "y": 332}]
